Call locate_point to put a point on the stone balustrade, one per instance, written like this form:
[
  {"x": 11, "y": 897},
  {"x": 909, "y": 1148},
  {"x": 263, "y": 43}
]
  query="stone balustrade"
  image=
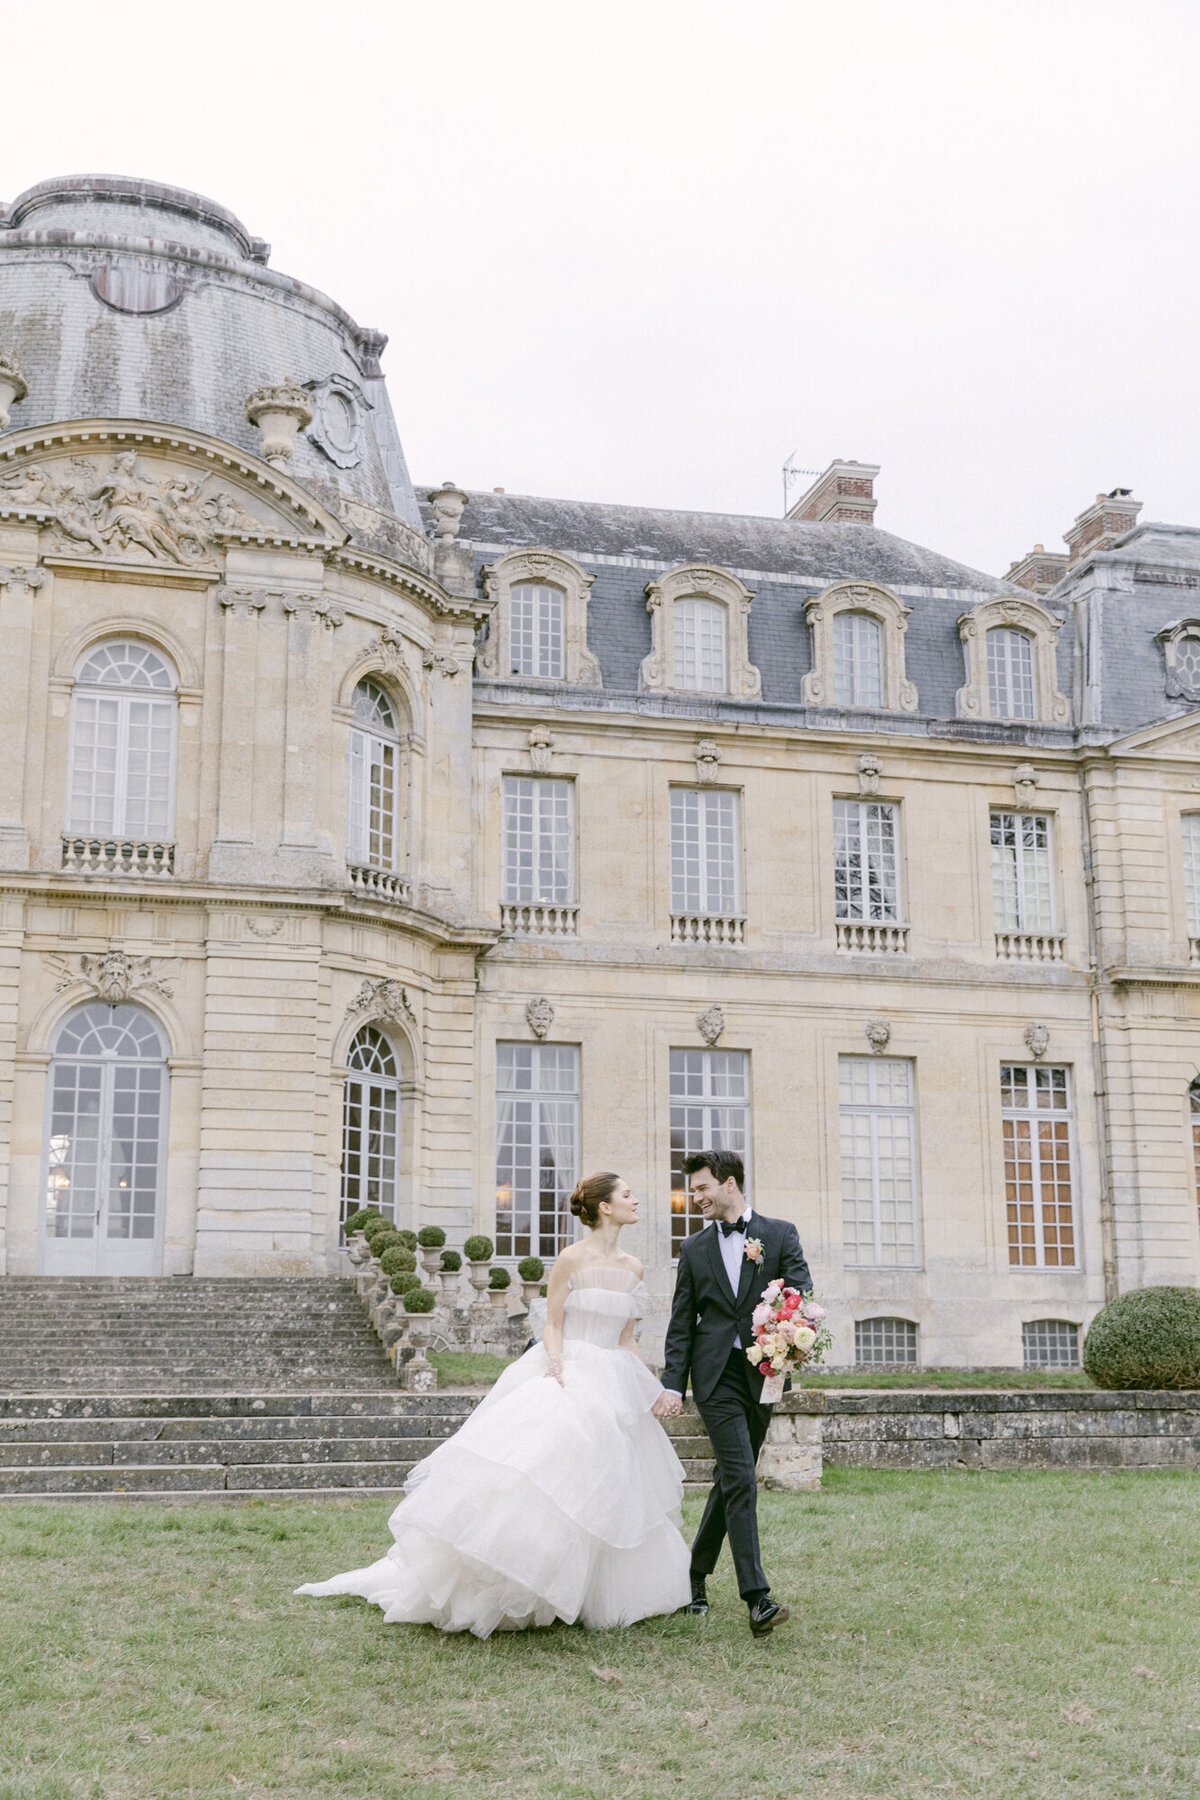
[
  {"x": 871, "y": 936},
  {"x": 708, "y": 928},
  {"x": 116, "y": 856},
  {"x": 379, "y": 884},
  {"x": 1030, "y": 946},
  {"x": 537, "y": 919}
]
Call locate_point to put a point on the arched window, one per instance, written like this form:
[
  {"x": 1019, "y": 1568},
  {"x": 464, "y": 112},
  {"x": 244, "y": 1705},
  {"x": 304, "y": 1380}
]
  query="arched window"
[
  {"x": 888, "y": 1341},
  {"x": 1050, "y": 1344},
  {"x": 122, "y": 757},
  {"x": 105, "y": 1143},
  {"x": 373, "y": 836},
  {"x": 700, "y": 647},
  {"x": 1010, "y": 674},
  {"x": 535, "y": 630},
  {"x": 857, "y": 660},
  {"x": 371, "y": 1125}
]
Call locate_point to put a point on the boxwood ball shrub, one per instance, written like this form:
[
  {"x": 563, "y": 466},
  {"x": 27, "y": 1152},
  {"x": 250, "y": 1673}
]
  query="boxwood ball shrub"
[
  {"x": 451, "y": 1261},
  {"x": 478, "y": 1249},
  {"x": 374, "y": 1225},
  {"x": 431, "y": 1237},
  {"x": 1149, "y": 1338},
  {"x": 396, "y": 1260},
  {"x": 358, "y": 1221},
  {"x": 383, "y": 1241},
  {"x": 405, "y": 1281},
  {"x": 408, "y": 1239},
  {"x": 500, "y": 1278},
  {"x": 531, "y": 1268},
  {"x": 419, "y": 1300}
]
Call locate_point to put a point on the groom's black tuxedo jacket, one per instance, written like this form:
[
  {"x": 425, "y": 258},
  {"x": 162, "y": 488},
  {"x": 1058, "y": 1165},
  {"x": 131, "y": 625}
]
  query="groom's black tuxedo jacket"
[{"x": 705, "y": 1314}]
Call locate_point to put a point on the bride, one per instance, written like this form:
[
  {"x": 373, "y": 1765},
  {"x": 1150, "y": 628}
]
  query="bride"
[{"x": 559, "y": 1497}]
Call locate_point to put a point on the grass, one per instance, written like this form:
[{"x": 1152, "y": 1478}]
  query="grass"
[
  {"x": 958, "y": 1379},
  {"x": 462, "y": 1368},
  {"x": 1019, "y": 1637}
]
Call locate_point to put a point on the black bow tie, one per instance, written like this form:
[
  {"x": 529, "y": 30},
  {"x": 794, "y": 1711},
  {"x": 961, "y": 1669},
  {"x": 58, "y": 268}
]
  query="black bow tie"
[{"x": 728, "y": 1229}]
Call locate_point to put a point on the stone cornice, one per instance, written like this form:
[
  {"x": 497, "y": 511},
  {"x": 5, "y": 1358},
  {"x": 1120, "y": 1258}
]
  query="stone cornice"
[{"x": 410, "y": 581}]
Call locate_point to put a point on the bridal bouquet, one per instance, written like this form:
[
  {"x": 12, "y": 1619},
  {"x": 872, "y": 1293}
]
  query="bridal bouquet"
[{"x": 788, "y": 1330}]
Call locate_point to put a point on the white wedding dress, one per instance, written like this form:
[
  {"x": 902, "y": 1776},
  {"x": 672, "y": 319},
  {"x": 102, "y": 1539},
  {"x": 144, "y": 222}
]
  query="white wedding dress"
[{"x": 550, "y": 1502}]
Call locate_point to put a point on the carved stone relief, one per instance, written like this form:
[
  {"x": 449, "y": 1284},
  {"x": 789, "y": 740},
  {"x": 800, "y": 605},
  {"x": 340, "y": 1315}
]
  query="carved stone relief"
[
  {"x": 869, "y": 770},
  {"x": 878, "y": 1034},
  {"x": 541, "y": 747},
  {"x": 13, "y": 386},
  {"x": 710, "y": 1024},
  {"x": 314, "y": 607},
  {"x": 279, "y": 413},
  {"x": 241, "y": 603},
  {"x": 338, "y": 421},
  {"x": 1037, "y": 1040},
  {"x": 384, "y": 999},
  {"x": 126, "y": 511},
  {"x": 1025, "y": 783},
  {"x": 708, "y": 761},
  {"x": 113, "y": 975},
  {"x": 539, "y": 1015},
  {"x": 1181, "y": 653}
]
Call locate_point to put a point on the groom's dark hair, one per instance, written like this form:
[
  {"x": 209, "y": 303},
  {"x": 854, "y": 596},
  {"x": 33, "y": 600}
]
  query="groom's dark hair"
[{"x": 722, "y": 1164}]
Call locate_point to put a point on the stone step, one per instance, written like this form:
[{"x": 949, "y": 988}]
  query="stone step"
[
  {"x": 236, "y": 1405},
  {"x": 21, "y": 1434},
  {"x": 209, "y": 1452},
  {"x": 210, "y": 1478}
]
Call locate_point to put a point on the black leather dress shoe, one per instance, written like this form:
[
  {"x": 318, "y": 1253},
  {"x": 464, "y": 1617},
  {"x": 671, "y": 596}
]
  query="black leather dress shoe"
[
  {"x": 698, "y": 1603},
  {"x": 766, "y": 1614}
]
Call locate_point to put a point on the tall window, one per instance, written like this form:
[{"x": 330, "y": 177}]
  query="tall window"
[
  {"x": 699, "y": 628},
  {"x": 1190, "y": 823},
  {"x": 539, "y": 841},
  {"x": 1022, "y": 881},
  {"x": 878, "y": 1162},
  {"x": 857, "y": 660},
  {"x": 122, "y": 757},
  {"x": 1194, "y": 1102},
  {"x": 1037, "y": 1165},
  {"x": 373, "y": 837},
  {"x": 535, "y": 630},
  {"x": 704, "y": 851},
  {"x": 371, "y": 1125},
  {"x": 710, "y": 1110},
  {"x": 537, "y": 1147},
  {"x": 1010, "y": 674},
  {"x": 866, "y": 865},
  {"x": 108, "y": 1090}
]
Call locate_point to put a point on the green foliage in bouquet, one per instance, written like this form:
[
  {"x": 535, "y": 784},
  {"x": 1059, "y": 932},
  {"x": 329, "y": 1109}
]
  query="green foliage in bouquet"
[
  {"x": 431, "y": 1237},
  {"x": 451, "y": 1261},
  {"x": 1149, "y": 1338},
  {"x": 396, "y": 1260},
  {"x": 500, "y": 1278},
  {"x": 479, "y": 1249},
  {"x": 406, "y": 1281},
  {"x": 531, "y": 1268},
  {"x": 419, "y": 1300}
]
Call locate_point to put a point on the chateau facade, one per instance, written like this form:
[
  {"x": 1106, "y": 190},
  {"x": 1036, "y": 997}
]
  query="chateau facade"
[{"x": 361, "y": 842}]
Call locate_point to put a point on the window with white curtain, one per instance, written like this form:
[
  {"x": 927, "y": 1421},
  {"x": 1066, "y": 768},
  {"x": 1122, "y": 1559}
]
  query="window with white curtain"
[
  {"x": 1036, "y": 1102},
  {"x": 537, "y": 1147},
  {"x": 879, "y": 1204},
  {"x": 710, "y": 1110},
  {"x": 704, "y": 851},
  {"x": 122, "y": 754},
  {"x": 857, "y": 660},
  {"x": 535, "y": 630},
  {"x": 866, "y": 860},
  {"x": 373, "y": 835},
  {"x": 371, "y": 1125},
  {"x": 1010, "y": 674},
  {"x": 700, "y": 649},
  {"x": 538, "y": 828},
  {"x": 1190, "y": 823},
  {"x": 1022, "y": 873}
]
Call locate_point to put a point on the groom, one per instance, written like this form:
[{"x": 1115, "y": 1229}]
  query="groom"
[{"x": 722, "y": 1274}]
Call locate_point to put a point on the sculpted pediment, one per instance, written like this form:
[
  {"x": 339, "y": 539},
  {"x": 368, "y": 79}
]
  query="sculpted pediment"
[
  {"x": 174, "y": 503},
  {"x": 1174, "y": 738}
]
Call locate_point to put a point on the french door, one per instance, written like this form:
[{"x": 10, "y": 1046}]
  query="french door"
[{"x": 105, "y": 1140}]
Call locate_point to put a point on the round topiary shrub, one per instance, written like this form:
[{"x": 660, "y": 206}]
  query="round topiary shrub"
[
  {"x": 531, "y": 1268},
  {"x": 478, "y": 1249},
  {"x": 1149, "y": 1338},
  {"x": 374, "y": 1225},
  {"x": 406, "y": 1281},
  {"x": 500, "y": 1278},
  {"x": 396, "y": 1260},
  {"x": 451, "y": 1261},
  {"x": 383, "y": 1241},
  {"x": 408, "y": 1239},
  {"x": 431, "y": 1237},
  {"x": 358, "y": 1221},
  {"x": 419, "y": 1300}
]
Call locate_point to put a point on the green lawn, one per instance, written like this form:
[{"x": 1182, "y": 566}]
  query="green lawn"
[
  {"x": 1014, "y": 1637},
  {"x": 457, "y": 1369}
]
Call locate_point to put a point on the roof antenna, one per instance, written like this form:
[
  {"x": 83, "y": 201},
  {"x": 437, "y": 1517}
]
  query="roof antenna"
[{"x": 792, "y": 474}]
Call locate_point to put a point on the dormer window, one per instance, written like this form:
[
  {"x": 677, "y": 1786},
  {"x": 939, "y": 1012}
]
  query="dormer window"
[
  {"x": 1010, "y": 649},
  {"x": 700, "y": 647},
  {"x": 536, "y": 630},
  {"x": 699, "y": 635},
  {"x": 858, "y": 649},
  {"x": 1010, "y": 674}
]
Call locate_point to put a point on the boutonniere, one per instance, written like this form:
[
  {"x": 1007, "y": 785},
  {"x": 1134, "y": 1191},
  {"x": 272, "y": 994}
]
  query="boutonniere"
[{"x": 754, "y": 1249}]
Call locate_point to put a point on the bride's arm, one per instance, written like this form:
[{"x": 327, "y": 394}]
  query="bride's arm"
[
  {"x": 556, "y": 1299},
  {"x": 629, "y": 1341}
]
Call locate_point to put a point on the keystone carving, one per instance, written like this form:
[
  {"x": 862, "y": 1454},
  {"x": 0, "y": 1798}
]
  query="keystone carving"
[
  {"x": 708, "y": 761},
  {"x": 869, "y": 771},
  {"x": 1037, "y": 1040},
  {"x": 541, "y": 747},
  {"x": 711, "y": 1024},
  {"x": 127, "y": 512},
  {"x": 448, "y": 504},
  {"x": 279, "y": 413},
  {"x": 1025, "y": 782},
  {"x": 13, "y": 386},
  {"x": 383, "y": 999},
  {"x": 388, "y": 647},
  {"x": 540, "y": 1016},
  {"x": 113, "y": 975},
  {"x": 878, "y": 1034}
]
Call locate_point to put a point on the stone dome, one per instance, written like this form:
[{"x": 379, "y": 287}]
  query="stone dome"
[{"x": 125, "y": 299}]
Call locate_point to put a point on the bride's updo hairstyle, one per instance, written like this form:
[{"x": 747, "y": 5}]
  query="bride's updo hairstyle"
[{"x": 590, "y": 1194}]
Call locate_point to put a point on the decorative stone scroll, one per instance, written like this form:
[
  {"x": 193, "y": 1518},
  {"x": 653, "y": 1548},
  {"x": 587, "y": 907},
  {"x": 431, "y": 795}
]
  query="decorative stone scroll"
[
  {"x": 125, "y": 511},
  {"x": 890, "y": 614},
  {"x": 241, "y": 603},
  {"x": 446, "y": 662},
  {"x": 700, "y": 581},
  {"x": 314, "y": 607},
  {"x": 28, "y": 580},
  {"x": 710, "y": 1024},
  {"x": 539, "y": 1015}
]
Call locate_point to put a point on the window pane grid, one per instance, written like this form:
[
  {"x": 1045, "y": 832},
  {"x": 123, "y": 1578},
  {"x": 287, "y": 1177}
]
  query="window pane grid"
[
  {"x": 107, "y": 1096},
  {"x": 537, "y": 1147},
  {"x": 1010, "y": 674},
  {"x": 866, "y": 874},
  {"x": 887, "y": 1341},
  {"x": 535, "y": 629},
  {"x": 1037, "y": 1166},
  {"x": 699, "y": 633},
  {"x": 857, "y": 660},
  {"x": 538, "y": 842},
  {"x": 878, "y": 1161},
  {"x": 710, "y": 1110},
  {"x": 371, "y": 1126},
  {"x": 1050, "y": 1344},
  {"x": 704, "y": 851},
  {"x": 1191, "y": 870},
  {"x": 373, "y": 833},
  {"x": 1022, "y": 883}
]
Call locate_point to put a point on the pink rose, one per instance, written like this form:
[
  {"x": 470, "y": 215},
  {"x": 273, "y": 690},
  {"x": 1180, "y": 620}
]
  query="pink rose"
[{"x": 813, "y": 1311}]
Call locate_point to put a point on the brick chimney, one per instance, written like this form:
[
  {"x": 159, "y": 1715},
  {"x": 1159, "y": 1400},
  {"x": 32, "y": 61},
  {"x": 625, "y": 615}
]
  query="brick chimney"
[
  {"x": 1099, "y": 526},
  {"x": 1041, "y": 570},
  {"x": 843, "y": 495}
]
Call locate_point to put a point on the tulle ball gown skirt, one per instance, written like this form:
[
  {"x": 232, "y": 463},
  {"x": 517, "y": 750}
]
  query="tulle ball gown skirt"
[{"x": 549, "y": 1503}]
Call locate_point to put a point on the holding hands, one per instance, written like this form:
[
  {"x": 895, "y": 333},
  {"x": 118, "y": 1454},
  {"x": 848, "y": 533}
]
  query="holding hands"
[{"x": 668, "y": 1405}]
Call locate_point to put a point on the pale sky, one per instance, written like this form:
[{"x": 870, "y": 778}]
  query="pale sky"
[{"x": 646, "y": 250}]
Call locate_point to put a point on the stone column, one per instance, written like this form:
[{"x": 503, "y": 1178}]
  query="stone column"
[{"x": 17, "y": 589}]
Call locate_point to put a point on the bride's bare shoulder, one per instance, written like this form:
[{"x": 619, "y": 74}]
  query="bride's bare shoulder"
[
  {"x": 632, "y": 1264},
  {"x": 572, "y": 1256}
]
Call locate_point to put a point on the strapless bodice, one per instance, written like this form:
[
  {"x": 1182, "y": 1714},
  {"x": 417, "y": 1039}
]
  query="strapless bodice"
[{"x": 599, "y": 1305}]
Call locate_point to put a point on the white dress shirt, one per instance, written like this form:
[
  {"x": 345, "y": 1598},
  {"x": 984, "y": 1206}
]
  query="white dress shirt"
[{"x": 732, "y": 1246}]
